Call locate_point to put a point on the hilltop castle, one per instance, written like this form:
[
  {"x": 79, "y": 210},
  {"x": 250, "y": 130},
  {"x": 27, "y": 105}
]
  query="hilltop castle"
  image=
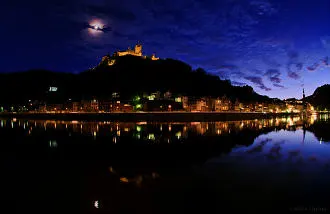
[{"x": 136, "y": 52}]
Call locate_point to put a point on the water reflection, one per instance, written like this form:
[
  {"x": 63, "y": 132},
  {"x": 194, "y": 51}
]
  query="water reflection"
[
  {"x": 120, "y": 163},
  {"x": 155, "y": 131}
]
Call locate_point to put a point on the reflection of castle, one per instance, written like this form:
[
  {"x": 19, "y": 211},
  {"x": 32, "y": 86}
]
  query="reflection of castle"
[{"x": 137, "y": 51}]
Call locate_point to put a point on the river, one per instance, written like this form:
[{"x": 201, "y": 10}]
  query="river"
[{"x": 267, "y": 165}]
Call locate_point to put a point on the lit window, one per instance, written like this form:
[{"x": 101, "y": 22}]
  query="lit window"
[
  {"x": 178, "y": 99},
  {"x": 53, "y": 89},
  {"x": 151, "y": 136}
]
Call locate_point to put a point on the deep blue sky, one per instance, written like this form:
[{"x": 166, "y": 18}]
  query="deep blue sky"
[{"x": 275, "y": 46}]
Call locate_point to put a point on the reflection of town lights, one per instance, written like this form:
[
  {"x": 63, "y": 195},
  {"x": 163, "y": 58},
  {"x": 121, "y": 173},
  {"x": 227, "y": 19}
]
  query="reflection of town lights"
[
  {"x": 114, "y": 139},
  {"x": 96, "y": 204},
  {"x": 178, "y": 135},
  {"x": 169, "y": 127},
  {"x": 52, "y": 144}
]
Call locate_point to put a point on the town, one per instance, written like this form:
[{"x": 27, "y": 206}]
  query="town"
[
  {"x": 163, "y": 102},
  {"x": 56, "y": 99}
]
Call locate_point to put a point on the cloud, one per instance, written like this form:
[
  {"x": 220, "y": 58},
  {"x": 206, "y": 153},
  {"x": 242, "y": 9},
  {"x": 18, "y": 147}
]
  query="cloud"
[
  {"x": 278, "y": 85},
  {"x": 271, "y": 62},
  {"x": 293, "y": 55},
  {"x": 299, "y": 66},
  {"x": 273, "y": 75},
  {"x": 114, "y": 12},
  {"x": 325, "y": 61},
  {"x": 294, "y": 66},
  {"x": 294, "y": 75},
  {"x": 238, "y": 83},
  {"x": 325, "y": 41},
  {"x": 313, "y": 67},
  {"x": 293, "y": 70},
  {"x": 228, "y": 66},
  {"x": 258, "y": 82}
]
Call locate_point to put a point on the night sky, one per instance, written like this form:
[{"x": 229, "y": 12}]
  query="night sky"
[{"x": 278, "y": 47}]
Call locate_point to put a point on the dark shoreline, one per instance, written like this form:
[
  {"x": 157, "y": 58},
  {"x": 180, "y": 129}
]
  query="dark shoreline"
[{"x": 149, "y": 116}]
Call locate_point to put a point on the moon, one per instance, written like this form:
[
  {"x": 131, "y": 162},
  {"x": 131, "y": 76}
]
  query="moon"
[{"x": 96, "y": 27}]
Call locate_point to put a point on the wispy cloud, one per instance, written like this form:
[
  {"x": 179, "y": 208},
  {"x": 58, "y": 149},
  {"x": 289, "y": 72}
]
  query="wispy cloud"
[
  {"x": 273, "y": 75},
  {"x": 278, "y": 85},
  {"x": 258, "y": 82}
]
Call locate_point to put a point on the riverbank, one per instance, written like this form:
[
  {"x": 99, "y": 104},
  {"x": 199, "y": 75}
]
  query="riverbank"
[{"x": 150, "y": 116}]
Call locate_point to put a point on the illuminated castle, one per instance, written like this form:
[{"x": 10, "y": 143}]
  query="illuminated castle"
[{"x": 136, "y": 52}]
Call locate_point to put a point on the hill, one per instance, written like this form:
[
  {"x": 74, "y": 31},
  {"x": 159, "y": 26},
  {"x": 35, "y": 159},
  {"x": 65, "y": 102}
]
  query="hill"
[
  {"x": 129, "y": 76},
  {"x": 146, "y": 75},
  {"x": 320, "y": 98}
]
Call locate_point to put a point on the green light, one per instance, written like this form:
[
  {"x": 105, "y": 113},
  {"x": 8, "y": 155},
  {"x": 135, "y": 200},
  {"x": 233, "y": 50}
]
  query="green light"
[
  {"x": 138, "y": 128},
  {"x": 151, "y": 136},
  {"x": 136, "y": 98},
  {"x": 138, "y": 106},
  {"x": 138, "y": 136},
  {"x": 151, "y": 97},
  {"x": 1, "y": 109}
]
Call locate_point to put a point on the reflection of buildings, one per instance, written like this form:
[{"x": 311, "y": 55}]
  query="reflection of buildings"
[{"x": 155, "y": 132}]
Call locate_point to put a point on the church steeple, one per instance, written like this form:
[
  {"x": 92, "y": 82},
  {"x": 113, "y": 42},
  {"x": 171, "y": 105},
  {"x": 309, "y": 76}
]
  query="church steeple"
[{"x": 304, "y": 94}]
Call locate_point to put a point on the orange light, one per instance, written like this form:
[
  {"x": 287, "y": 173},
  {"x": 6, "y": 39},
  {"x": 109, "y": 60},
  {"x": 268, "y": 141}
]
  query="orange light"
[{"x": 124, "y": 179}]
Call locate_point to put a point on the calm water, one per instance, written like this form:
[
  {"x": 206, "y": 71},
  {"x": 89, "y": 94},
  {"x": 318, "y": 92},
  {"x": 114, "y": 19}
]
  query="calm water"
[{"x": 280, "y": 164}]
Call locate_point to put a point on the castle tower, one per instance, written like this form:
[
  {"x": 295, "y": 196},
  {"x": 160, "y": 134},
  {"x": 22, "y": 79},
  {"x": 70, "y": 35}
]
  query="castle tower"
[{"x": 138, "y": 49}]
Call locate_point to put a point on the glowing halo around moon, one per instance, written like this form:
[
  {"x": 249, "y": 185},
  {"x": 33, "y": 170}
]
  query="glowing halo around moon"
[{"x": 96, "y": 27}]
